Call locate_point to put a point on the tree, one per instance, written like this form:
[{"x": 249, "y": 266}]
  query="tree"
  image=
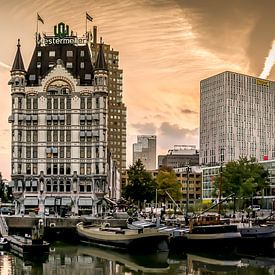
[
  {"x": 167, "y": 182},
  {"x": 243, "y": 177},
  {"x": 141, "y": 185}
]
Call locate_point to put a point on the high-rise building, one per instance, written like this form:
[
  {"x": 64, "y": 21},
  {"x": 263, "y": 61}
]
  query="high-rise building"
[
  {"x": 179, "y": 156},
  {"x": 237, "y": 118},
  {"x": 60, "y": 157},
  {"x": 116, "y": 107},
  {"x": 145, "y": 150}
]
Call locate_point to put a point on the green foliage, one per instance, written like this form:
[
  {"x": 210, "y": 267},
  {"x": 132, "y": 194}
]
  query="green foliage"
[
  {"x": 242, "y": 177},
  {"x": 141, "y": 185},
  {"x": 167, "y": 181}
]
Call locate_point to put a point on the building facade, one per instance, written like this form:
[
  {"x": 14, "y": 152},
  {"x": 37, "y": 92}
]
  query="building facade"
[
  {"x": 116, "y": 134},
  {"x": 237, "y": 118},
  {"x": 145, "y": 150},
  {"x": 208, "y": 179},
  {"x": 179, "y": 156},
  {"x": 59, "y": 121}
]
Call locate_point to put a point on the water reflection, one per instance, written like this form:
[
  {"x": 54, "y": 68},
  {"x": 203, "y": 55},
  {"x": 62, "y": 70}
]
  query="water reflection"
[{"x": 73, "y": 260}]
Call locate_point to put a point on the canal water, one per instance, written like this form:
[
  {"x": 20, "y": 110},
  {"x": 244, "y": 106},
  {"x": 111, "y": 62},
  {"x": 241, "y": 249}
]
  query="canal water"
[{"x": 67, "y": 259}]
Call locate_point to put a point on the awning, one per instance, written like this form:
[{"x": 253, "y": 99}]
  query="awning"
[
  {"x": 85, "y": 202},
  {"x": 49, "y": 117},
  {"x": 89, "y": 117},
  {"x": 61, "y": 117},
  {"x": 82, "y": 117},
  {"x": 95, "y": 133},
  {"x": 31, "y": 201},
  {"x": 34, "y": 117},
  {"x": 95, "y": 116},
  {"x": 66, "y": 201},
  {"x": 89, "y": 133},
  {"x": 49, "y": 201},
  {"x": 28, "y": 117},
  {"x": 82, "y": 133},
  {"x": 55, "y": 117}
]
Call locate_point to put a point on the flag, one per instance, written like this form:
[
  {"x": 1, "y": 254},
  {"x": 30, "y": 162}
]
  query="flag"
[
  {"x": 89, "y": 17},
  {"x": 40, "y": 19}
]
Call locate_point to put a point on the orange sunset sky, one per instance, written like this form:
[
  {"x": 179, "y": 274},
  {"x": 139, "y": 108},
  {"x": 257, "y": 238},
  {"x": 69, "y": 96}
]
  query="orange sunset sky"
[{"x": 166, "y": 47}]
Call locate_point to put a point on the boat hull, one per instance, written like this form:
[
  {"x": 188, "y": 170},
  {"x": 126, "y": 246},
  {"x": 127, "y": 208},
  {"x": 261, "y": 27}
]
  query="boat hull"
[{"x": 143, "y": 240}]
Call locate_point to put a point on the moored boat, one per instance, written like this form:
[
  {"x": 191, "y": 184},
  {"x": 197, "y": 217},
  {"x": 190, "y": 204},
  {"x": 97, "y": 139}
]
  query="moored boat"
[
  {"x": 257, "y": 239},
  {"x": 211, "y": 233},
  {"x": 130, "y": 239}
]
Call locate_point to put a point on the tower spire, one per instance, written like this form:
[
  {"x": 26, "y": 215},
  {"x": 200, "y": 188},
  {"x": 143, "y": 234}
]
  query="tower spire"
[
  {"x": 100, "y": 62},
  {"x": 18, "y": 64}
]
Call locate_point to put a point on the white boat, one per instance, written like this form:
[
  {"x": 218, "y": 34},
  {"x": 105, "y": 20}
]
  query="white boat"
[{"x": 130, "y": 239}]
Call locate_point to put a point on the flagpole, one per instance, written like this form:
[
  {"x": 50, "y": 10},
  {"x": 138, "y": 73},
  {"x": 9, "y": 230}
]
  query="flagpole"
[{"x": 86, "y": 23}]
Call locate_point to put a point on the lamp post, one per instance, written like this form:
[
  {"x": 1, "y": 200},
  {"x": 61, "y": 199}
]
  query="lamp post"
[
  {"x": 221, "y": 179},
  {"x": 188, "y": 169}
]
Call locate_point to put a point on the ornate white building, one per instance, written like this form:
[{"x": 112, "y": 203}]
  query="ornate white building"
[{"x": 60, "y": 157}]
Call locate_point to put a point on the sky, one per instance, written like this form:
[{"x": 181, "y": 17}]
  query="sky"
[{"x": 166, "y": 48}]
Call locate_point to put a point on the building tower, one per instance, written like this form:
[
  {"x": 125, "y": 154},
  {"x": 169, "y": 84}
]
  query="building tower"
[
  {"x": 116, "y": 107},
  {"x": 59, "y": 126},
  {"x": 145, "y": 150},
  {"x": 236, "y": 118}
]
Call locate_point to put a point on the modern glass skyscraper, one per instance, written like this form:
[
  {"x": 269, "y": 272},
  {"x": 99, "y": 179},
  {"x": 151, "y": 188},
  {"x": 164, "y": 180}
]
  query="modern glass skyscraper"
[{"x": 237, "y": 118}]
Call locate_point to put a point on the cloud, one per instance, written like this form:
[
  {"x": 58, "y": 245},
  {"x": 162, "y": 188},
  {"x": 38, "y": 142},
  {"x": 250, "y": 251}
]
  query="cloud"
[
  {"x": 187, "y": 111},
  {"x": 145, "y": 128}
]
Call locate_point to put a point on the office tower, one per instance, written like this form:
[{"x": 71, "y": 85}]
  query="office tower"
[
  {"x": 116, "y": 107},
  {"x": 60, "y": 157},
  {"x": 237, "y": 118},
  {"x": 145, "y": 150},
  {"x": 179, "y": 156}
]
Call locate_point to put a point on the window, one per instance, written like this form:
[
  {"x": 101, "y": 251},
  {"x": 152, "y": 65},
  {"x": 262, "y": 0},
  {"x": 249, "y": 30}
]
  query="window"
[
  {"x": 61, "y": 168},
  {"x": 68, "y": 119},
  {"x": 61, "y": 186},
  {"x": 49, "y": 169},
  {"x": 61, "y": 136},
  {"x": 55, "y": 136},
  {"x": 35, "y": 103},
  {"x": 34, "y": 168},
  {"x": 49, "y": 103},
  {"x": 38, "y": 65},
  {"x": 97, "y": 102},
  {"x": 89, "y": 103},
  {"x": 88, "y": 170},
  {"x": 82, "y": 66},
  {"x": 55, "y": 103},
  {"x": 28, "y": 152},
  {"x": 88, "y": 76},
  {"x": 29, "y": 103},
  {"x": 89, "y": 152},
  {"x": 68, "y": 152},
  {"x": 62, "y": 149},
  {"x": 19, "y": 103},
  {"x": 34, "y": 152},
  {"x": 34, "y": 136},
  {"x": 82, "y": 103},
  {"x": 69, "y": 53},
  {"x": 39, "y": 53},
  {"x": 68, "y": 136},
  {"x": 82, "y": 53},
  {"x": 69, "y": 103},
  {"x": 28, "y": 169},
  {"x": 62, "y": 103},
  {"x": 32, "y": 77},
  {"x": 68, "y": 186},
  {"x": 55, "y": 169},
  {"x": 49, "y": 136},
  {"x": 28, "y": 133},
  {"x": 49, "y": 186},
  {"x": 51, "y": 53},
  {"x": 68, "y": 169},
  {"x": 69, "y": 65},
  {"x": 55, "y": 186},
  {"x": 82, "y": 168},
  {"x": 82, "y": 152}
]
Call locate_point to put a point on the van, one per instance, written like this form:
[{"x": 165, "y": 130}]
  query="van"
[{"x": 255, "y": 207}]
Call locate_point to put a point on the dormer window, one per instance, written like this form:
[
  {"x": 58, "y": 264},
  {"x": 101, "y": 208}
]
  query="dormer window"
[
  {"x": 39, "y": 53},
  {"x": 38, "y": 64},
  {"x": 82, "y": 54},
  {"x": 32, "y": 77},
  {"x": 52, "y": 53}
]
